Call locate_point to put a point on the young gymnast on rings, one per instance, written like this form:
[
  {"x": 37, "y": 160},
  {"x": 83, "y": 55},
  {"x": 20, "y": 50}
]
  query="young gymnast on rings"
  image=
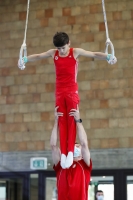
[{"x": 66, "y": 92}]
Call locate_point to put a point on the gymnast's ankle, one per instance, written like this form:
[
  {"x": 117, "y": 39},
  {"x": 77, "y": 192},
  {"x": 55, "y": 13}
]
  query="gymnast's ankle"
[
  {"x": 69, "y": 159},
  {"x": 63, "y": 161}
]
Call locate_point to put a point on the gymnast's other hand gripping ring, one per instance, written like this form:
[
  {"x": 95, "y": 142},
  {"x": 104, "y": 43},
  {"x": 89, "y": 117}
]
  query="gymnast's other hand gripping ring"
[
  {"x": 109, "y": 43},
  {"x": 23, "y": 52},
  {"x": 23, "y": 49}
]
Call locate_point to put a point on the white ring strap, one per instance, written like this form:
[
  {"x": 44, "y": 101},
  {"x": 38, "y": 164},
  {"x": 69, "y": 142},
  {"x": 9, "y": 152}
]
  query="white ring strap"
[{"x": 108, "y": 42}]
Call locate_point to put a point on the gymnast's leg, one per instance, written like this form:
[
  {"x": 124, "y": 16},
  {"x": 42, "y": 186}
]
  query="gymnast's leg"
[
  {"x": 63, "y": 132},
  {"x": 72, "y": 100}
]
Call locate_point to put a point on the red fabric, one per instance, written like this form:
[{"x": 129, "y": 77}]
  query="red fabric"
[
  {"x": 67, "y": 125},
  {"x": 72, "y": 183},
  {"x": 66, "y": 98},
  {"x": 66, "y": 70}
]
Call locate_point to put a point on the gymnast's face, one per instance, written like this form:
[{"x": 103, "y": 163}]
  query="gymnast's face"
[{"x": 64, "y": 50}]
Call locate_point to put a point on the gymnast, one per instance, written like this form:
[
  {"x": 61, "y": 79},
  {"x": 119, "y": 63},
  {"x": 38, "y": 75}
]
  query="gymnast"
[{"x": 66, "y": 92}]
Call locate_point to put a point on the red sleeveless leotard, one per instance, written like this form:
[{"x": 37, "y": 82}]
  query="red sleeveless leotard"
[{"x": 66, "y": 71}]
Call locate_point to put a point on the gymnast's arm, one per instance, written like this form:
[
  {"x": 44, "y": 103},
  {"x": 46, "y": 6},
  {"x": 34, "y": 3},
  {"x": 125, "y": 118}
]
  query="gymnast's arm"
[
  {"x": 35, "y": 57},
  {"x": 82, "y": 137},
  {"x": 56, "y": 155},
  {"x": 81, "y": 52},
  {"x": 84, "y": 143}
]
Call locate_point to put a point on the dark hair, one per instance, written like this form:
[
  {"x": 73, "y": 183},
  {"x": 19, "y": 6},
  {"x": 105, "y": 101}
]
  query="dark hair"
[
  {"x": 99, "y": 191},
  {"x": 77, "y": 143},
  {"x": 60, "y": 39}
]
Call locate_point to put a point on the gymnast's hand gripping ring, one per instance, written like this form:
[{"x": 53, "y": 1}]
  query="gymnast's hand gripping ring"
[
  {"x": 109, "y": 43},
  {"x": 23, "y": 53},
  {"x": 23, "y": 49}
]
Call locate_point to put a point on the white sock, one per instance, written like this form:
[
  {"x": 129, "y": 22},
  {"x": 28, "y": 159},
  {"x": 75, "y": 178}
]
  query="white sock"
[
  {"x": 69, "y": 159},
  {"x": 63, "y": 161}
]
